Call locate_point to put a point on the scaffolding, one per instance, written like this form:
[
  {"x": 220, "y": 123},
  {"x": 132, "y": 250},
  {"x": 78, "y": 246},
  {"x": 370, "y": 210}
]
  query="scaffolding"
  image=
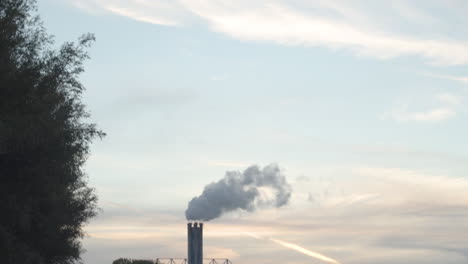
[{"x": 184, "y": 261}]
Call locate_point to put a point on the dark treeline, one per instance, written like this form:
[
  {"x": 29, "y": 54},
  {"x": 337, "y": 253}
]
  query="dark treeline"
[
  {"x": 132, "y": 261},
  {"x": 44, "y": 142}
]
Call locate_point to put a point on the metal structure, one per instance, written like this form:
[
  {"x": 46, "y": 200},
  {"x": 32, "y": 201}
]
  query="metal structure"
[
  {"x": 194, "y": 249},
  {"x": 195, "y": 243},
  {"x": 184, "y": 261},
  {"x": 220, "y": 261},
  {"x": 170, "y": 261}
]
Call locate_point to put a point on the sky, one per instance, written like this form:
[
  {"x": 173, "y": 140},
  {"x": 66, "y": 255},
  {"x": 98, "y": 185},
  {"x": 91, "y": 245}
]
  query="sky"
[{"x": 362, "y": 104}]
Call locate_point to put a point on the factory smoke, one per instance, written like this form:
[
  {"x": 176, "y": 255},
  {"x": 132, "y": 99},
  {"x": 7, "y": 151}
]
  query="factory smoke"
[{"x": 252, "y": 189}]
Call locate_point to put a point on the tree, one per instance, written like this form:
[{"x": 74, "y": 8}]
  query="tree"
[
  {"x": 132, "y": 261},
  {"x": 139, "y": 261},
  {"x": 44, "y": 142},
  {"x": 122, "y": 261}
]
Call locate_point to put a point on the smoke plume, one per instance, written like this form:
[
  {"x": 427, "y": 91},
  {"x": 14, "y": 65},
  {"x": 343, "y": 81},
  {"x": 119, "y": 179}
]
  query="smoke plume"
[{"x": 252, "y": 189}]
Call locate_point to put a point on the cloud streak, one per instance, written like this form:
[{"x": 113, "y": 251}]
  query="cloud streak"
[
  {"x": 424, "y": 221},
  {"x": 304, "y": 251},
  {"x": 140, "y": 17},
  {"x": 433, "y": 115},
  {"x": 295, "y": 247},
  {"x": 445, "y": 106},
  {"x": 461, "y": 79},
  {"x": 285, "y": 24}
]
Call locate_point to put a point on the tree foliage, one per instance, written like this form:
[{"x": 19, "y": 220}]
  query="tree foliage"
[
  {"x": 132, "y": 261},
  {"x": 44, "y": 141},
  {"x": 122, "y": 261}
]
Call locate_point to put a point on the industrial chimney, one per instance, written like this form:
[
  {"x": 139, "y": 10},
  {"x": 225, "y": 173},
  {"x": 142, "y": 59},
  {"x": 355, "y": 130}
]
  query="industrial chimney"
[{"x": 195, "y": 243}]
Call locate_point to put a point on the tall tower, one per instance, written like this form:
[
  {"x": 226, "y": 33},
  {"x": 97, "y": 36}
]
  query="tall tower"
[{"x": 195, "y": 243}]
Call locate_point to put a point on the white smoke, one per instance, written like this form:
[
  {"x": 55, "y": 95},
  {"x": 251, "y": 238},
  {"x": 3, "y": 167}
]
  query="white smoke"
[{"x": 245, "y": 191}]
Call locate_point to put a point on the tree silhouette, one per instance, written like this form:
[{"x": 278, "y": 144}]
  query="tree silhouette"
[
  {"x": 132, "y": 261},
  {"x": 44, "y": 142}
]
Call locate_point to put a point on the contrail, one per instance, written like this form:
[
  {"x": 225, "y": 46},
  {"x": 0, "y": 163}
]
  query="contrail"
[
  {"x": 295, "y": 248},
  {"x": 304, "y": 251},
  {"x": 253, "y": 235}
]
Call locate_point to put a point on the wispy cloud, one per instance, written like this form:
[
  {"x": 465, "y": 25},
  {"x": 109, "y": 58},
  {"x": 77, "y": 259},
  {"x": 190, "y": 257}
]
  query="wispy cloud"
[
  {"x": 433, "y": 115},
  {"x": 141, "y": 17},
  {"x": 449, "y": 98},
  {"x": 407, "y": 10},
  {"x": 226, "y": 163},
  {"x": 418, "y": 215},
  {"x": 461, "y": 79},
  {"x": 350, "y": 200},
  {"x": 304, "y": 251},
  {"x": 219, "y": 77},
  {"x": 288, "y": 101},
  {"x": 286, "y": 24},
  {"x": 283, "y": 25},
  {"x": 158, "y": 12},
  {"x": 444, "y": 106},
  {"x": 294, "y": 247},
  {"x": 413, "y": 177}
]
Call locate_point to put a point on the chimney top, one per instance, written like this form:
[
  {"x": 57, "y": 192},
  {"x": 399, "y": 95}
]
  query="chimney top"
[{"x": 195, "y": 224}]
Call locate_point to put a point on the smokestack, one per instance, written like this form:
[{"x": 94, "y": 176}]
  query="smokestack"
[{"x": 195, "y": 243}]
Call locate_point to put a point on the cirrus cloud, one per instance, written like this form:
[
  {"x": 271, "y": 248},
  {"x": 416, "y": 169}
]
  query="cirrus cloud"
[{"x": 331, "y": 24}]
